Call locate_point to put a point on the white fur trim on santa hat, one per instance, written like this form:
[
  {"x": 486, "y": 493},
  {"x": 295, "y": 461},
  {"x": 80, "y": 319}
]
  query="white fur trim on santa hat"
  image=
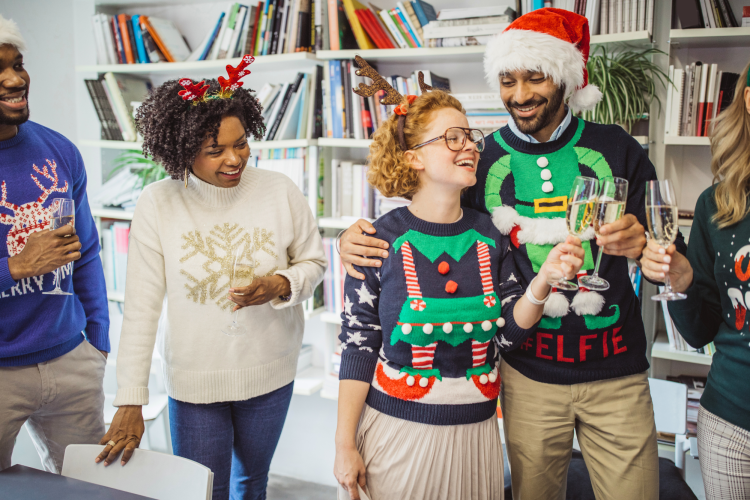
[
  {"x": 10, "y": 34},
  {"x": 587, "y": 303},
  {"x": 556, "y": 306},
  {"x": 537, "y": 231},
  {"x": 515, "y": 49}
]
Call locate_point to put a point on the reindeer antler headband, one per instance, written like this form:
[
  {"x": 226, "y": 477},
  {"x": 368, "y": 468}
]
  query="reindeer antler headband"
[
  {"x": 196, "y": 92},
  {"x": 391, "y": 95}
]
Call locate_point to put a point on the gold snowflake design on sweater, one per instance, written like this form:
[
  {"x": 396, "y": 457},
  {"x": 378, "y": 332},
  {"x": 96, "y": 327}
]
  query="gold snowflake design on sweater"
[{"x": 214, "y": 256}]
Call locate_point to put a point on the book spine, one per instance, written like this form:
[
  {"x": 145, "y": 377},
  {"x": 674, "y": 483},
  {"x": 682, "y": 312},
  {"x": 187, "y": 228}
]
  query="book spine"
[
  {"x": 346, "y": 89},
  {"x": 131, "y": 37},
  {"x": 268, "y": 32},
  {"x": 136, "y": 27},
  {"x": 123, "y": 22},
  {"x": 406, "y": 27},
  {"x": 333, "y": 25},
  {"x": 109, "y": 38},
  {"x": 417, "y": 6},
  {"x": 157, "y": 39},
  {"x": 702, "y": 101},
  {"x": 99, "y": 112},
  {"x": 121, "y": 59},
  {"x": 411, "y": 16},
  {"x": 410, "y": 43},
  {"x": 337, "y": 98},
  {"x": 388, "y": 21},
  {"x": 253, "y": 37}
]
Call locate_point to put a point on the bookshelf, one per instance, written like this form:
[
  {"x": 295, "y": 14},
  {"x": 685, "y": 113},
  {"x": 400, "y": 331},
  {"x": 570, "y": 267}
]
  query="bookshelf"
[
  {"x": 135, "y": 146},
  {"x": 687, "y": 141},
  {"x": 710, "y": 38},
  {"x": 661, "y": 350}
]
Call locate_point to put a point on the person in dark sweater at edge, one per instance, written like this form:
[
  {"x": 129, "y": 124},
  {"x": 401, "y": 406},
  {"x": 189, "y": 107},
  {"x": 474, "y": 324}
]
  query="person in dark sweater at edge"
[
  {"x": 715, "y": 278},
  {"x": 585, "y": 367},
  {"x": 53, "y": 348},
  {"x": 421, "y": 334}
]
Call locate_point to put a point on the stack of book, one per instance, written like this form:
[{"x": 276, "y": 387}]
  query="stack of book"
[
  {"x": 124, "y": 39},
  {"x": 333, "y": 280},
  {"x": 676, "y": 341},
  {"x": 289, "y": 161},
  {"x": 347, "y": 115},
  {"x": 705, "y": 14},
  {"x": 695, "y": 387},
  {"x": 467, "y": 26},
  {"x": 115, "y": 98},
  {"x": 293, "y": 110},
  {"x": 115, "y": 255},
  {"x": 700, "y": 92},
  {"x": 280, "y": 27},
  {"x": 351, "y": 195},
  {"x": 232, "y": 35},
  {"x": 607, "y": 17}
]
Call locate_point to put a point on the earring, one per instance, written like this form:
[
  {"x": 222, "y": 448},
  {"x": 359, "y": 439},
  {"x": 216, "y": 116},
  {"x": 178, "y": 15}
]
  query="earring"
[{"x": 186, "y": 177}]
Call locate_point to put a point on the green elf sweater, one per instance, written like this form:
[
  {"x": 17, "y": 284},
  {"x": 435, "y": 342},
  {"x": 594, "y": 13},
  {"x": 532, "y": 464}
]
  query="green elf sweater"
[
  {"x": 585, "y": 335},
  {"x": 715, "y": 310}
]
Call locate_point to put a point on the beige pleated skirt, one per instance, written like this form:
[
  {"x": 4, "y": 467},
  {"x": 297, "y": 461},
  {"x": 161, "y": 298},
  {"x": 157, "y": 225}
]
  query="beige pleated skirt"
[{"x": 409, "y": 460}]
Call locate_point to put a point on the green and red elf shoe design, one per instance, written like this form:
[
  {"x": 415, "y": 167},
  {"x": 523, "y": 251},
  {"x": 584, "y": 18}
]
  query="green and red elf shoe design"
[
  {"x": 424, "y": 321},
  {"x": 542, "y": 183}
]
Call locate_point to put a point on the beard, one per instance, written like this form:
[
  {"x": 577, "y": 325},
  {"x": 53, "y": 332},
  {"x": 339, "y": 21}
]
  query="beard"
[
  {"x": 16, "y": 117},
  {"x": 531, "y": 126}
]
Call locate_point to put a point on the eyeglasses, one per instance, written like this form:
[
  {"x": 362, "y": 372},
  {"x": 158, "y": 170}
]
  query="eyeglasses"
[{"x": 455, "y": 139}]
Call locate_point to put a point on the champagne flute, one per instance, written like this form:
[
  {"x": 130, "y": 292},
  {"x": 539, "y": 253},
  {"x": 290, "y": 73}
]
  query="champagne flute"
[
  {"x": 610, "y": 207},
  {"x": 63, "y": 213},
  {"x": 661, "y": 216},
  {"x": 242, "y": 275},
  {"x": 580, "y": 212}
]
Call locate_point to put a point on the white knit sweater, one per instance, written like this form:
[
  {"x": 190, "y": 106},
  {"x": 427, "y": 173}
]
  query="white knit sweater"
[{"x": 181, "y": 245}]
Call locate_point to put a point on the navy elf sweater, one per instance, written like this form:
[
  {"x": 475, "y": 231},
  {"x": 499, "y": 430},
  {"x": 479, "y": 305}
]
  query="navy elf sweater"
[
  {"x": 37, "y": 165},
  {"x": 585, "y": 335},
  {"x": 426, "y": 328}
]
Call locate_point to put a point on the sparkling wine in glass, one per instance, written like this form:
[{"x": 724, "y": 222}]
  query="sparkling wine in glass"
[
  {"x": 610, "y": 207},
  {"x": 242, "y": 275},
  {"x": 580, "y": 213},
  {"x": 661, "y": 216},
  {"x": 62, "y": 213}
]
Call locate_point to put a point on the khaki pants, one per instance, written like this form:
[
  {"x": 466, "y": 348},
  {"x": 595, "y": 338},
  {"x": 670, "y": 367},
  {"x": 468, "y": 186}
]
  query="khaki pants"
[
  {"x": 614, "y": 422},
  {"x": 62, "y": 400}
]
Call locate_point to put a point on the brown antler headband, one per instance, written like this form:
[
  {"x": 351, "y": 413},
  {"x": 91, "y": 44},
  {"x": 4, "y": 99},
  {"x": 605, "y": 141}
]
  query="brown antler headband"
[{"x": 391, "y": 95}]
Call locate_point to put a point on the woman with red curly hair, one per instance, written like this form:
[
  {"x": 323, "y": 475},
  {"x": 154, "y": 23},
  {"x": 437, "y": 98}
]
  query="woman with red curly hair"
[{"x": 422, "y": 333}]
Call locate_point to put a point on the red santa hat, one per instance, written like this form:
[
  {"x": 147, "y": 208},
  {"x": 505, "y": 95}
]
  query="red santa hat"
[
  {"x": 10, "y": 34},
  {"x": 552, "y": 41}
]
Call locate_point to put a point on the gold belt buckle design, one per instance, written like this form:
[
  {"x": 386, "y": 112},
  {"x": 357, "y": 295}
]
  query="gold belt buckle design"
[{"x": 556, "y": 204}]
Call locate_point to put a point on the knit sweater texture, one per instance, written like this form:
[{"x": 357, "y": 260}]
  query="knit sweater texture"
[
  {"x": 584, "y": 336},
  {"x": 182, "y": 243},
  {"x": 36, "y": 166},
  {"x": 716, "y": 309},
  {"x": 425, "y": 329}
]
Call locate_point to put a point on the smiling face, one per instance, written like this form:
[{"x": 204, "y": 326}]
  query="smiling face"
[
  {"x": 221, "y": 162},
  {"x": 532, "y": 99},
  {"x": 14, "y": 88},
  {"x": 438, "y": 165}
]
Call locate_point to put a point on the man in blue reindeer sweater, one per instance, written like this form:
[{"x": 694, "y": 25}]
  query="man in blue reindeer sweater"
[
  {"x": 585, "y": 367},
  {"x": 53, "y": 348}
]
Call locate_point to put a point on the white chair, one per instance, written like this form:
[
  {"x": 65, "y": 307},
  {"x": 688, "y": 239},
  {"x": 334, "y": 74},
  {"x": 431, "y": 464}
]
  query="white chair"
[
  {"x": 148, "y": 473},
  {"x": 670, "y": 414}
]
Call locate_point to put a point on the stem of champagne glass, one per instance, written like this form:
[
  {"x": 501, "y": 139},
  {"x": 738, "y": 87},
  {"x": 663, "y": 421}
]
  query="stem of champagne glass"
[
  {"x": 234, "y": 317},
  {"x": 598, "y": 260},
  {"x": 667, "y": 283}
]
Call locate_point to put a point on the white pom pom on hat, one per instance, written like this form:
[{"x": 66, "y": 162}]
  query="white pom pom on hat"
[{"x": 552, "y": 41}]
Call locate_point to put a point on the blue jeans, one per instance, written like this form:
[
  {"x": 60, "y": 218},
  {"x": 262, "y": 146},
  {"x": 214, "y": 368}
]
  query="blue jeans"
[{"x": 236, "y": 440}]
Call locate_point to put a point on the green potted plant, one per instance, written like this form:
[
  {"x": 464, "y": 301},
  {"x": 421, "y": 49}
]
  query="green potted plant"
[
  {"x": 628, "y": 81},
  {"x": 144, "y": 168}
]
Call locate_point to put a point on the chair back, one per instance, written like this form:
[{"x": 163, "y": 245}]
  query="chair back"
[
  {"x": 148, "y": 473},
  {"x": 670, "y": 405}
]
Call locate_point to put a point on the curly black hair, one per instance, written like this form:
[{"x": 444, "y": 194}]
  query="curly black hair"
[{"x": 173, "y": 129}]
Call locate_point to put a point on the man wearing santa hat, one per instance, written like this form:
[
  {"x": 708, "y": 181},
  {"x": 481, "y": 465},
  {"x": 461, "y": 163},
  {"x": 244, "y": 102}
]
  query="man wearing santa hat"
[{"x": 585, "y": 369}]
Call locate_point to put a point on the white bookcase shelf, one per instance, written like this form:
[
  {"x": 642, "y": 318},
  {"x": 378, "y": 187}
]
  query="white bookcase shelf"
[
  {"x": 112, "y": 213},
  {"x": 198, "y": 67},
  {"x": 344, "y": 143},
  {"x": 710, "y": 38},
  {"x": 661, "y": 350},
  {"x": 687, "y": 140}
]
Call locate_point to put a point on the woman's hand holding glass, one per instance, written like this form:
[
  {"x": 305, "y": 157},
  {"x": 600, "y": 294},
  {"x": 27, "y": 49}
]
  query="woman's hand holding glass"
[
  {"x": 658, "y": 261},
  {"x": 564, "y": 261},
  {"x": 261, "y": 290}
]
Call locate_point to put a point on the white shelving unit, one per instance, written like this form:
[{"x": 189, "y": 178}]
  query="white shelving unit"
[
  {"x": 661, "y": 350},
  {"x": 135, "y": 146},
  {"x": 687, "y": 141},
  {"x": 710, "y": 38}
]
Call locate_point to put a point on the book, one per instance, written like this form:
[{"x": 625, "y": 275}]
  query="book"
[
  {"x": 396, "y": 20},
  {"x": 110, "y": 129},
  {"x": 403, "y": 21},
  {"x": 102, "y": 55},
  {"x": 333, "y": 25},
  {"x": 363, "y": 41},
  {"x": 154, "y": 55},
  {"x": 140, "y": 47},
  {"x": 433, "y": 31},
  {"x": 131, "y": 37},
  {"x": 121, "y": 59},
  {"x": 253, "y": 37},
  {"x": 710, "y": 91},
  {"x": 239, "y": 25},
  {"x": 290, "y": 122},
  {"x": 393, "y": 29},
  {"x": 123, "y": 90},
  {"x": 411, "y": 17},
  {"x": 424, "y": 11},
  {"x": 167, "y": 38},
  {"x": 469, "y": 12},
  {"x": 702, "y": 102},
  {"x": 689, "y": 14},
  {"x": 122, "y": 23}
]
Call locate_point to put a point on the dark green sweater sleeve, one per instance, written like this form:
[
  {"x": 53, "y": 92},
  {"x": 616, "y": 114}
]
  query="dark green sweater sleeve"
[{"x": 698, "y": 317}]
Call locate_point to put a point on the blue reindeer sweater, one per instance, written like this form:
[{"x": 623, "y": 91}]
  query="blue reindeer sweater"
[
  {"x": 37, "y": 165},
  {"x": 426, "y": 328}
]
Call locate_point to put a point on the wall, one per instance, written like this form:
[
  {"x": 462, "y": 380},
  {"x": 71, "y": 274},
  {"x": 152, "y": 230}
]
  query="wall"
[{"x": 47, "y": 27}]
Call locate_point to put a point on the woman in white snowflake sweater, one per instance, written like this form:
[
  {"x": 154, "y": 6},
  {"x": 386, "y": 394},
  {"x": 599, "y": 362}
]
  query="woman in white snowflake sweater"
[
  {"x": 422, "y": 332},
  {"x": 228, "y": 395}
]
